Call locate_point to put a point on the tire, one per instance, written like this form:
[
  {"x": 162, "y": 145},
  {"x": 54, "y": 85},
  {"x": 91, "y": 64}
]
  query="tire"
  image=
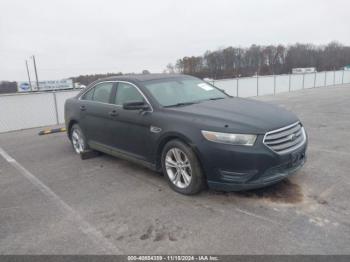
[
  {"x": 78, "y": 139},
  {"x": 182, "y": 168}
]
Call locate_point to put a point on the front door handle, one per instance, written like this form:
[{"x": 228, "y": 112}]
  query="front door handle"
[
  {"x": 82, "y": 108},
  {"x": 113, "y": 113}
]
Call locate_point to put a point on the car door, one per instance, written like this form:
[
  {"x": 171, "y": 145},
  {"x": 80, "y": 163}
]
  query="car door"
[
  {"x": 97, "y": 113},
  {"x": 131, "y": 132}
]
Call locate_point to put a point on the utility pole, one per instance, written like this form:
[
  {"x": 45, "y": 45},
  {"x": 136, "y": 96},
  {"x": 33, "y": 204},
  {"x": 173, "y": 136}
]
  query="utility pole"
[
  {"x": 36, "y": 73},
  {"x": 30, "y": 83}
]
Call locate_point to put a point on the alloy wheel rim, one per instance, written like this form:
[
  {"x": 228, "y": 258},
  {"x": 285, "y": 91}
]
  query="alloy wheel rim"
[
  {"x": 178, "y": 168},
  {"x": 78, "y": 142}
]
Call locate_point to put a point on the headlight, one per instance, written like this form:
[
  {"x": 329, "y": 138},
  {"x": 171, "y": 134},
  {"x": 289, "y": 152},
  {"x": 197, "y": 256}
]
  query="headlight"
[{"x": 227, "y": 138}]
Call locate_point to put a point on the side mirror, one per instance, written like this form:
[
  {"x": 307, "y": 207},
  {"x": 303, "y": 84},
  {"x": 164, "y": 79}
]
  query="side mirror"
[{"x": 135, "y": 106}]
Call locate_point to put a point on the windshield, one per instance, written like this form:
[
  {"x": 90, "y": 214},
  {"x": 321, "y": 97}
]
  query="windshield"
[{"x": 172, "y": 92}]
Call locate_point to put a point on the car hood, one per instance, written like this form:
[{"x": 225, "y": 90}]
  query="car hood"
[{"x": 238, "y": 115}]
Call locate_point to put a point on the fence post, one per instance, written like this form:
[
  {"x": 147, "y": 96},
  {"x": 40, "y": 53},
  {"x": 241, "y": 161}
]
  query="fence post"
[
  {"x": 334, "y": 77},
  {"x": 274, "y": 84},
  {"x": 289, "y": 83},
  {"x": 237, "y": 86},
  {"x": 55, "y": 104},
  {"x": 303, "y": 80},
  {"x": 257, "y": 85},
  {"x": 325, "y": 78},
  {"x": 342, "y": 77},
  {"x": 315, "y": 79}
]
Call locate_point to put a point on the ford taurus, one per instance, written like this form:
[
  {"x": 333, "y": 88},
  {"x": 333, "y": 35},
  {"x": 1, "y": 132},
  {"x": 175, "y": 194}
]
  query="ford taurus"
[{"x": 193, "y": 132}]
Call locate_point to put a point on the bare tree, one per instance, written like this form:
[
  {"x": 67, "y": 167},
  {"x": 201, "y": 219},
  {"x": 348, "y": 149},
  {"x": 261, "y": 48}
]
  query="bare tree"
[{"x": 264, "y": 60}]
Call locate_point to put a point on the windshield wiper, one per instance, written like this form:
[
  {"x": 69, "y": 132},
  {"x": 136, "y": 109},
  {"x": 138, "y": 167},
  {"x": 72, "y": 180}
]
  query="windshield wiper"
[{"x": 182, "y": 104}]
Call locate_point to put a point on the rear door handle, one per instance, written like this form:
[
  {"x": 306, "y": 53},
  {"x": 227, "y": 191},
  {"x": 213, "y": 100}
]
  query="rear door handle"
[
  {"x": 82, "y": 108},
  {"x": 113, "y": 113}
]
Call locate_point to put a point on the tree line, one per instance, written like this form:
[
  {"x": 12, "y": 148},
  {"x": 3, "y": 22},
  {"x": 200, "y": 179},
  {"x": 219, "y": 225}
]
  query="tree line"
[
  {"x": 87, "y": 79},
  {"x": 262, "y": 60},
  {"x": 11, "y": 87},
  {"x": 239, "y": 62}
]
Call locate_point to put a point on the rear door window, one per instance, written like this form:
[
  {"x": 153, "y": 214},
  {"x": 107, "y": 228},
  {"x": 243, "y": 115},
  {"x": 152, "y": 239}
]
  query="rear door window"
[
  {"x": 127, "y": 93},
  {"x": 88, "y": 95},
  {"x": 103, "y": 92}
]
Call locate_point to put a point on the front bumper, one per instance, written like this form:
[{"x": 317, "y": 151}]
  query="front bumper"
[{"x": 230, "y": 168}]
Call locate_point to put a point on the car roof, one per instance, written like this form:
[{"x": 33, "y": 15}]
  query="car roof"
[{"x": 142, "y": 77}]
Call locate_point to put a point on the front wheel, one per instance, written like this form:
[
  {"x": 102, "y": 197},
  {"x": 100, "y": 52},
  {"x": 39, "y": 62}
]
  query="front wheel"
[
  {"x": 78, "y": 139},
  {"x": 182, "y": 168}
]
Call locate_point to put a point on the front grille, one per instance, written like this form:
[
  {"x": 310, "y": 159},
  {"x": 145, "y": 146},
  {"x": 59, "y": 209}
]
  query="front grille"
[{"x": 285, "y": 139}]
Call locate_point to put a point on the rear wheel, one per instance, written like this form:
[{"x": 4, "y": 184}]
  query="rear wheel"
[
  {"x": 181, "y": 168},
  {"x": 78, "y": 139}
]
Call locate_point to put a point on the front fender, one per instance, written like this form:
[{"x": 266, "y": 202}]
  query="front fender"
[{"x": 165, "y": 138}]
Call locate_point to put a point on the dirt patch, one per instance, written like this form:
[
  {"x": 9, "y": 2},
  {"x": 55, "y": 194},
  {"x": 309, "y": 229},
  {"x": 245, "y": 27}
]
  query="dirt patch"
[
  {"x": 282, "y": 192},
  {"x": 163, "y": 231},
  {"x": 148, "y": 233},
  {"x": 318, "y": 199}
]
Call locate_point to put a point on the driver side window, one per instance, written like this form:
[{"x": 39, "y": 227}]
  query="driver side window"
[{"x": 127, "y": 93}]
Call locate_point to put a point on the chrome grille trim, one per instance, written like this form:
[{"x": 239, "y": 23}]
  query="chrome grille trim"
[
  {"x": 284, "y": 133},
  {"x": 279, "y": 141}
]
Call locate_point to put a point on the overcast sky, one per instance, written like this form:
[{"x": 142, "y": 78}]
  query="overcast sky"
[{"x": 73, "y": 37}]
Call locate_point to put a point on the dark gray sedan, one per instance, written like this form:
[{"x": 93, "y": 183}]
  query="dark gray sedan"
[{"x": 191, "y": 131}]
